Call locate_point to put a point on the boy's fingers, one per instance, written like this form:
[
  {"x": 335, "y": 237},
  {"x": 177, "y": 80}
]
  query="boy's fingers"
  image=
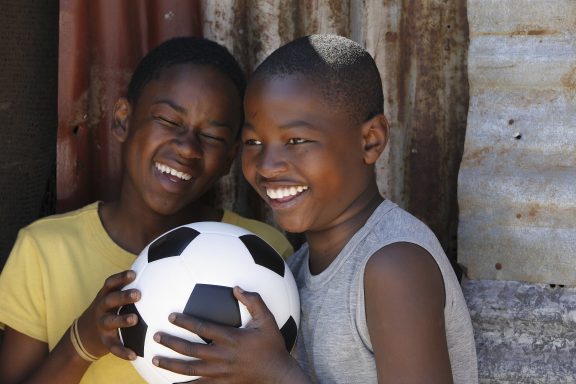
[
  {"x": 203, "y": 328},
  {"x": 185, "y": 347},
  {"x": 185, "y": 367},
  {"x": 118, "y": 281},
  {"x": 254, "y": 303},
  {"x": 121, "y": 278},
  {"x": 122, "y": 352},
  {"x": 116, "y": 299},
  {"x": 113, "y": 321}
]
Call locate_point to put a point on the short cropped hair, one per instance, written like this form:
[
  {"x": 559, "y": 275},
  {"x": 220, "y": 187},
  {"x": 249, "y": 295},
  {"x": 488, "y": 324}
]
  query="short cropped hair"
[
  {"x": 345, "y": 72},
  {"x": 185, "y": 50}
]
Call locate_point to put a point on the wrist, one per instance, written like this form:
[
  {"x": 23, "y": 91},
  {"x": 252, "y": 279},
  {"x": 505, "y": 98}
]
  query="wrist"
[{"x": 78, "y": 345}]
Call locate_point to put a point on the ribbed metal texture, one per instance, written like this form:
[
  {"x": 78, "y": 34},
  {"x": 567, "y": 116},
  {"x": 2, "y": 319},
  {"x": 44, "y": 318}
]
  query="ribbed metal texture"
[
  {"x": 420, "y": 49},
  {"x": 517, "y": 181}
]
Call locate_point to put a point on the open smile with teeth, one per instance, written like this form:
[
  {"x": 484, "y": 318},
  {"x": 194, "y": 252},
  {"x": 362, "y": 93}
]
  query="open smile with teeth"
[
  {"x": 171, "y": 171},
  {"x": 281, "y": 193}
]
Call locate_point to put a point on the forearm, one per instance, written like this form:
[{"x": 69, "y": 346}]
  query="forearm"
[
  {"x": 293, "y": 374},
  {"x": 62, "y": 365}
]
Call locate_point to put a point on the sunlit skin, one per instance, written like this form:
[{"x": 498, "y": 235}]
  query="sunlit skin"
[
  {"x": 314, "y": 166},
  {"x": 187, "y": 119}
]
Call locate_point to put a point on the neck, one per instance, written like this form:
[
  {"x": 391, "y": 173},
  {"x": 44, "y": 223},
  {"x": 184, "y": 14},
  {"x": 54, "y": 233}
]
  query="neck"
[
  {"x": 132, "y": 229},
  {"x": 325, "y": 245}
]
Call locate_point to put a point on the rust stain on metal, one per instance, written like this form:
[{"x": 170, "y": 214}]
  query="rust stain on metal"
[
  {"x": 391, "y": 37},
  {"x": 526, "y": 30},
  {"x": 477, "y": 156},
  {"x": 569, "y": 79},
  {"x": 534, "y": 210},
  {"x": 433, "y": 100}
]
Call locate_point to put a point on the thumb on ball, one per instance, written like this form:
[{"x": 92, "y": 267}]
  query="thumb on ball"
[{"x": 253, "y": 302}]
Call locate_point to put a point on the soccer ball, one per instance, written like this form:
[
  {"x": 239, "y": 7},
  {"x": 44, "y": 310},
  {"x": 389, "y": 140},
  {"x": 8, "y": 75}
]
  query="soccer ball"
[{"x": 192, "y": 269}]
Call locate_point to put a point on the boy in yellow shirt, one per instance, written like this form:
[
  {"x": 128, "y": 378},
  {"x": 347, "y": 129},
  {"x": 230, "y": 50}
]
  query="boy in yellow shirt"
[{"x": 178, "y": 127}]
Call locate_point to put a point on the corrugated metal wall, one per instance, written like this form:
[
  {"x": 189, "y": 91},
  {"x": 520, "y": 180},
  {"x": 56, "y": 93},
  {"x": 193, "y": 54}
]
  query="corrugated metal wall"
[
  {"x": 517, "y": 186},
  {"x": 420, "y": 48},
  {"x": 517, "y": 190},
  {"x": 100, "y": 43}
]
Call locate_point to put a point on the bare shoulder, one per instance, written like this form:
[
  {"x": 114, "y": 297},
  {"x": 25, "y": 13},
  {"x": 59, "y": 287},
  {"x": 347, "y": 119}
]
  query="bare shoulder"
[
  {"x": 406, "y": 269},
  {"x": 404, "y": 298}
]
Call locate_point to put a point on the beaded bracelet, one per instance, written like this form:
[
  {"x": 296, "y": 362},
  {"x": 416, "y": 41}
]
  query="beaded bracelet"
[{"x": 78, "y": 346}]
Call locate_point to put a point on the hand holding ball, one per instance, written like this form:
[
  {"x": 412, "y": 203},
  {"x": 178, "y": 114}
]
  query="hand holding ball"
[{"x": 192, "y": 269}]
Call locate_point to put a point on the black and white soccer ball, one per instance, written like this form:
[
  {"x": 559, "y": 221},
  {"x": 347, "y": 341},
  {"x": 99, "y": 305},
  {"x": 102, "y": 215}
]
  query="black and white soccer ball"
[{"x": 192, "y": 269}]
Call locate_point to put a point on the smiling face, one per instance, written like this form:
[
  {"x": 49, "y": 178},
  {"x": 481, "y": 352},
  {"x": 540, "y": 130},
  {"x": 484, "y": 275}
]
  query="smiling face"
[
  {"x": 308, "y": 160},
  {"x": 179, "y": 138}
]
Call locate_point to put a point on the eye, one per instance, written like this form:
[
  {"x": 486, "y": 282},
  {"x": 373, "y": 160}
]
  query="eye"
[
  {"x": 167, "y": 122},
  {"x": 252, "y": 142},
  {"x": 297, "y": 140},
  {"x": 212, "y": 137}
]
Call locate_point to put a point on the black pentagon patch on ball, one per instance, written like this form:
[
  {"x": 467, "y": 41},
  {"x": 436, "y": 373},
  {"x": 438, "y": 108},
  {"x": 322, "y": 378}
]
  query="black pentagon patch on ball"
[
  {"x": 134, "y": 337},
  {"x": 171, "y": 244},
  {"x": 263, "y": 254},
  {"x": 214, "y": 303},
  {"x": 289, "y": 332}
]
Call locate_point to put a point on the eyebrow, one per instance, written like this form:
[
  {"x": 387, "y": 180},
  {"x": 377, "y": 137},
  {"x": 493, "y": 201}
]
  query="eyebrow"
[
  {"x": 288, "y": 125},
  {"x": 296, "y": 123},
  {"x": 182, "y": 110},
  {"x": 171, "y": 104}
]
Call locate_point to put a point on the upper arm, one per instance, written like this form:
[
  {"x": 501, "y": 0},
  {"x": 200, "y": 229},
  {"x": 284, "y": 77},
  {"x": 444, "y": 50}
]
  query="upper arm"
[
  {"x": 404, "y": 296},
  {"x": 20, "y": 356}
]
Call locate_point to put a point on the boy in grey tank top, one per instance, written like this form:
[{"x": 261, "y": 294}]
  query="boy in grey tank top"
[{"x": 379, "y": 300}]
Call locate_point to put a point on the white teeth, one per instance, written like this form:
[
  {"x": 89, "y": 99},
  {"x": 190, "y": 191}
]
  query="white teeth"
[
  {"x": 166, "y": 169},
  {"x": 281, "y": 193}
]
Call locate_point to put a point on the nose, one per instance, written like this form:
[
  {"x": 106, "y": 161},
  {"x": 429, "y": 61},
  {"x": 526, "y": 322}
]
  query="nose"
[
  {"x": 271, "y": 161},
  {"x": 188, "y": 146}
]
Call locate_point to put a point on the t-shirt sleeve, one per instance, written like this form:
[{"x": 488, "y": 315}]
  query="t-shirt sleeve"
[{"x": 22, "y": 304}]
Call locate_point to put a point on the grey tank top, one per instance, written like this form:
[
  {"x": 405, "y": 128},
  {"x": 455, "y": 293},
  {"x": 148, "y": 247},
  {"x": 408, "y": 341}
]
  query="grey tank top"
[{"x": 333, "y": 342}]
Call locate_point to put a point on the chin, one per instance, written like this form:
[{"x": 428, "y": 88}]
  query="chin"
[
  {"x": 291, "y": 225},
  {"x": 168, "y": 210}
]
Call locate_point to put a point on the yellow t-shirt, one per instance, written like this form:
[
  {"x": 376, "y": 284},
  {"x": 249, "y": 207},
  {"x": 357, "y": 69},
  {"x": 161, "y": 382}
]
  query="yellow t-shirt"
[{"x": 57, "y": 266}]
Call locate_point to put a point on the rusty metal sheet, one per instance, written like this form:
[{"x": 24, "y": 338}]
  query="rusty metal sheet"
[
  {"x": 100, "y": 43},
  {"x": 517, "y": 181}
]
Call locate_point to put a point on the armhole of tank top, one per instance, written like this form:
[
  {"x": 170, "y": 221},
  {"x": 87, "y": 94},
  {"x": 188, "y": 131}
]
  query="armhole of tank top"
[{"x": 360, "y": 307}]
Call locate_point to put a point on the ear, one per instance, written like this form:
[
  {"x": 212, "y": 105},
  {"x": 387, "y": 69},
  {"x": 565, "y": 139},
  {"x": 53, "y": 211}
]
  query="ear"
[
  {"x": 375, "y": 133},
  {"x": 121, "y": 123}
]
